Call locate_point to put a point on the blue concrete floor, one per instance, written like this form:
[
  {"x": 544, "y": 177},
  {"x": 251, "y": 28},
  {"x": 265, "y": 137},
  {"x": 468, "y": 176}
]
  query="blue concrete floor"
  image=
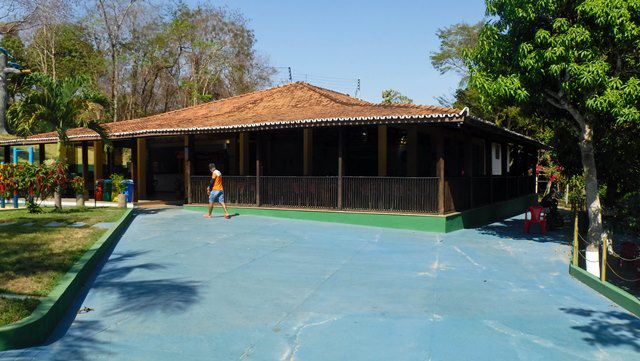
[{"x": 181, "y": 287}]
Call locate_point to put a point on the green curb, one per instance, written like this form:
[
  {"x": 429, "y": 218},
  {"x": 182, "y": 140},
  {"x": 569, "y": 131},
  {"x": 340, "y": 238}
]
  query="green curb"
[
  {"x": 621, "y": 297},
  {"x": 481, "y": 216},
  {"x": 426, "y": 223},
  {"x": 36, "y": 328}
]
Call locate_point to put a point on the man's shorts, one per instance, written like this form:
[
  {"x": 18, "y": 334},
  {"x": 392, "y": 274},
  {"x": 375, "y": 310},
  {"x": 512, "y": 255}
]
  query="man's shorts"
[{"x": 216, "y": 196}]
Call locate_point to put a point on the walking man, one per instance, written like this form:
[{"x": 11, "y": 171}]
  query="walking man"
[{"x": 215, "y": 191}]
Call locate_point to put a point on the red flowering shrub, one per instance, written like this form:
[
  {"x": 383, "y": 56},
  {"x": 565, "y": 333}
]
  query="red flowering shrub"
[
  {"x": 35, "y": 182},
  {"x": 77, "y": 184}
]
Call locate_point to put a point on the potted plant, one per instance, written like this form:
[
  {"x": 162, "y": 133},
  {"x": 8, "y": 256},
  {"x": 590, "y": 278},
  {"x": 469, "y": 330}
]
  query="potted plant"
[
  {"x": 118, "y": 188},
  {"x": 77, "y": 184}
]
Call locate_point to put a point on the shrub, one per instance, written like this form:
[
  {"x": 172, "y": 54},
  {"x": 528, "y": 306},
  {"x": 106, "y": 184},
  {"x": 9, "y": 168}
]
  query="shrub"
[
  {"x": 77, "y": 184},
  {"x": 35, "y": 182},
  {"x": 117, "y": 184}
]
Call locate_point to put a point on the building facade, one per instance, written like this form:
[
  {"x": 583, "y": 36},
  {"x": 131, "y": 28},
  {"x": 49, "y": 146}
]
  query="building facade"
[{"x": 301, "y": 146}]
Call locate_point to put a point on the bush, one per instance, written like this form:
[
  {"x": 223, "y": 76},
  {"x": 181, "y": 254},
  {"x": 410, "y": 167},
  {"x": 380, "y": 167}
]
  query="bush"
[
  {"x": 117, "y": 184},
  {"x": 35, "y": 182},
  {"x": 77, "y": 184}
]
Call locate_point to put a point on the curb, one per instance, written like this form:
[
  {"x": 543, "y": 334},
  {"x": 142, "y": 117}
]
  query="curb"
[
  {"x": 36, "y": 328},
  {"x": 619, "y": 296},
  {"x": 424, "y": 222}
]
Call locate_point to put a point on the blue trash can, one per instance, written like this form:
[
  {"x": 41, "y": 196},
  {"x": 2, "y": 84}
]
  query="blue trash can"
[{"x": 128, "y": 189}]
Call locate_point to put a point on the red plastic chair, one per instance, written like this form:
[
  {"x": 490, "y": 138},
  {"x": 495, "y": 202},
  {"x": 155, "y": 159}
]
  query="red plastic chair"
[{"x": 538, "y": 215}]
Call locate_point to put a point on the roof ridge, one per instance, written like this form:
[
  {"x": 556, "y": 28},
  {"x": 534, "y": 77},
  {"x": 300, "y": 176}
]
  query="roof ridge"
[
  {"x": 207, "y": 103},
  {"x": 326, "y": 93}
]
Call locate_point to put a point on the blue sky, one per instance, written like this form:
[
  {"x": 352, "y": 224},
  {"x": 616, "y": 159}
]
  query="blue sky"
[{"x": 384, "y": 43}]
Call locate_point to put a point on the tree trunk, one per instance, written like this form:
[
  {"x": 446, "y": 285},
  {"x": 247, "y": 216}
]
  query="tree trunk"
[
  {"x": 4, "y": 95},
  {"x": 594, "y": 210},
  {"x": 114, "y": 83},
  {"x": 62, "y": 157}
]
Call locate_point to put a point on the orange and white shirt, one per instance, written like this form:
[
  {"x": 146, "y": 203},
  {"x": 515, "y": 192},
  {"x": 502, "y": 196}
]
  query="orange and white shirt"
[{"x": 216, "y": 180}]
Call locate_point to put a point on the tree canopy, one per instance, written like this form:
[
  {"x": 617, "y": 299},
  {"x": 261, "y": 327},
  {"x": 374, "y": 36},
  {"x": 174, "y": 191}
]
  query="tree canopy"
[
  {"x": 391, "y": 96},
  {"x": 575, "y": 62},
  {"x": 146, "y": 60}
]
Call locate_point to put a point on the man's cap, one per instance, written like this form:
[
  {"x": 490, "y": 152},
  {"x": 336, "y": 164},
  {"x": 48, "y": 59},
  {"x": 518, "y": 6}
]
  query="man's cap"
[{"x": 212, "y": 165}]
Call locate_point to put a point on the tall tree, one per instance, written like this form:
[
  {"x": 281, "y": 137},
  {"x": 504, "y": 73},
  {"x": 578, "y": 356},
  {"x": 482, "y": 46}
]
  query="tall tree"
[
  {"x": 73, "y": 53},
  {"x": 391, "y": 96},
  {"x": 455, "y": 40},
  {"x": 58, "y": 105},
  {"x": 576, "y": 61},
  {"x": 112, "y": 16}
]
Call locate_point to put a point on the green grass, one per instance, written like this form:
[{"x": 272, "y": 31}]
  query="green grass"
[
  {"x": 12, "y": 310},
  {"x": 33, "y": 259}
]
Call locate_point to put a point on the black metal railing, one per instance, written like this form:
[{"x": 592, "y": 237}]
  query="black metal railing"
[
  {"x": 238, "y": 189},
  {"x": 457, "y": 194},
  {"x": 299, "y": 192},
  {"x": 387, "y": 194},
  {"x": 391, "y": 194}
]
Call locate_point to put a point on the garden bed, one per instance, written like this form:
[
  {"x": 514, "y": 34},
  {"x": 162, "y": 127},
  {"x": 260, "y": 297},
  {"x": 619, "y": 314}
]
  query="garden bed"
[{"x": 38, "y": 249}]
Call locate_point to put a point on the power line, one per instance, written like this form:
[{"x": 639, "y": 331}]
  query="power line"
[{"x": 285, "y": 74}]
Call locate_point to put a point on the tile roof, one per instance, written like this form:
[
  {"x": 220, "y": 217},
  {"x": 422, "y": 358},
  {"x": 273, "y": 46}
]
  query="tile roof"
[{"x": 293, "y": 105}]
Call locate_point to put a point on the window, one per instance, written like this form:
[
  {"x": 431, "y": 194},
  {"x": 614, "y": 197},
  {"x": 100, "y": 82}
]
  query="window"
[{"x": 497, "y": 150}]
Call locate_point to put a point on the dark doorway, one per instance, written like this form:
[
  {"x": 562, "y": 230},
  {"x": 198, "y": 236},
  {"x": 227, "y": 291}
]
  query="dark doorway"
[{"x": 165, "y": 168}]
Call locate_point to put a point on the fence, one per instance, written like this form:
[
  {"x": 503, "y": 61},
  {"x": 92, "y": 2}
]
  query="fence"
[
  {"x": 391, "y": 194},
  {"x": 299, "y": 192},
  {"x": 238, "y": 189},
  {"x": 387, "y": 194}
]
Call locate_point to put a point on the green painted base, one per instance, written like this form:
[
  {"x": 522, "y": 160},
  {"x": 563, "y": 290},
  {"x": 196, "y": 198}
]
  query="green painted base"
[
  {"x": 36, "y": 328},
  {"x": 426, "y": 223},
  {"x": 481, "y": 216},
  {"x": 615, "y": 294},
  {"x": 412, "y": 222}
]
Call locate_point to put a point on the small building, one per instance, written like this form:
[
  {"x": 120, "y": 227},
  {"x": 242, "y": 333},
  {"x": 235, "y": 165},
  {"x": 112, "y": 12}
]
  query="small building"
[{"x": 301, "y": 146}]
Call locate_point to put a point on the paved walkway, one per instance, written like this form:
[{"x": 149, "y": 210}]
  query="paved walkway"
[{"x": 180, "y": 287}]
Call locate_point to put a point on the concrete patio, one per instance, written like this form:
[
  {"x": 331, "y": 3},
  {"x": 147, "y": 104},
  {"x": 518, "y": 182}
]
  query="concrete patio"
[{"x": 181, "y": 287}]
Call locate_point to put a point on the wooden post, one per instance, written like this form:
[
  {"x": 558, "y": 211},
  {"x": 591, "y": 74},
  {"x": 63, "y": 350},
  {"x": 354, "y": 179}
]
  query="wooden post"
[
  {"x": 382, "y": 150},
  {"x": 603, "y": 266},
  {"x": 134, "y": 168},
  {"x": 234, "y": 162},
  {"x": 85, "y": 168},
  {"x": 576, "y": 248},
  {"x": 468, "y": 166},
  {"x": 340, "y": 165},
  {"x": 244, "y": 153},
  {"x": 98, "y": 160},
  {"x": 141, "y": 180},
  {"x": 42, "y": 153},
  {"x": 7, "y": 154},
  {"x": 412, "y": 151},
  {"x": 440, "y": 172},
  {"x": 258, "y": 166},
  {"x": 307, "y": 150},
  {"x": 188, "y": 165}
]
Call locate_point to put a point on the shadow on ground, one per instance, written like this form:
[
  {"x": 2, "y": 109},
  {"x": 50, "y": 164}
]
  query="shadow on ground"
[
  {"x": 608, "y": 328},
  {"x": 142, "y": 296},
  {"x": 514, "y": 229},
  {"x": 135, "y": 297}
]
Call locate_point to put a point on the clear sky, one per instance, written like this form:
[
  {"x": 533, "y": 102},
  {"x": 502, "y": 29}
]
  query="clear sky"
[{"x": 384, "y": 43}]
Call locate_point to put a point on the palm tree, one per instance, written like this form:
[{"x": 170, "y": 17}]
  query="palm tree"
[{"x": 58, "y": 105}]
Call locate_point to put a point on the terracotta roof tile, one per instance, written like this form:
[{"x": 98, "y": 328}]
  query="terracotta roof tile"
[{"x": 292, "y": 104}]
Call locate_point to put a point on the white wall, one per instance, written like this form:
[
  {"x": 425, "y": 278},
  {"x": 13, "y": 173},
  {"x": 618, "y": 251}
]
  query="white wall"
[{"x": 496, "y": 159}]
